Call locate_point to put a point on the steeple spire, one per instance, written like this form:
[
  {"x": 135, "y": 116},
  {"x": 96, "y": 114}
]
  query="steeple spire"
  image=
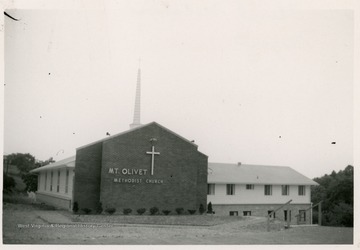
[{"x": 136, "y": 121}]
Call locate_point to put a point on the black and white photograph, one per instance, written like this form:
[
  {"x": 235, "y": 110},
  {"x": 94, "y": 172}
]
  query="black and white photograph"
[{"x": 179, "y": 122}]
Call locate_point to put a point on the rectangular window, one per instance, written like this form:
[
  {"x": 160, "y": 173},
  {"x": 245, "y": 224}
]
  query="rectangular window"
[
  {"x": 268, "y": 190},
  {"x": 272, "y": 215},
  {"x": 249, "y": 186},
  {"x": 45, "y": 180},
  {"x": 302, "y": 215},
  {"x": 67, "y": 181},
  {"x": 51, "y": 179},
  {"x": 58, "y": 182},
  {"x": 285, "y": 189},
  {"x": 301, "y": 190},
  {"x": 247, "y": 213},
  {"x": 230, "y": 189},
  {"x": 234, "y": 213}
]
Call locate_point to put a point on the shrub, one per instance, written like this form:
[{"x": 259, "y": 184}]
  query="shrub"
[
  {"x": 179, "y": 210},
  {"x": 192, "y": 211},
  {"x": 166, "y": 212},
  {"x": 210, "y": 210},
  {"x": 141, "y": 211},
  {"x": 86, "y": 210},
  {"x": 110, "y": 210},
  {"x": 154, "y": 210},
  {"x": 127, "y": 211},
  {"x": 75, "y": 207},
  {"x": 201, "y": 209},
  {"x": 99, "y": 208},
  {"x": 31, "y": 181}
]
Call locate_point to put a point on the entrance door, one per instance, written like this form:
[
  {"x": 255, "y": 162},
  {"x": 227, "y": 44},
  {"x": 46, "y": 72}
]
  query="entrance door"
[{"x": 286, "y": 214}]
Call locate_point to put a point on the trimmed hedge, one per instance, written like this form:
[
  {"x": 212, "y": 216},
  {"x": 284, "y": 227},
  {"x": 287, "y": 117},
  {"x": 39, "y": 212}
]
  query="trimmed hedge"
[
  {"x": 110, "y": 210},
  {"x": 154, "y": 210},
  {"x": 140, "y": 211}
]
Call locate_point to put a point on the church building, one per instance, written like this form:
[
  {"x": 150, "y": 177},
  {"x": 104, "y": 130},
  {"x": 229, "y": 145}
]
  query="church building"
[{"x": 152, "y": 166}]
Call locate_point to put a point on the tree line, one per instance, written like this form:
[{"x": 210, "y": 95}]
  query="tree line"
[
  {"x": 336, "y": 191},
  {"x": 24, "y": 163}
]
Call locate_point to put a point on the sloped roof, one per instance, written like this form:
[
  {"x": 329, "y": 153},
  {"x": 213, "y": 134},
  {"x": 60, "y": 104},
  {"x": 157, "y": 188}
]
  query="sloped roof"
[
  {"x": 68, "y": 162},
  {"x": 136, "y": 128},
  {"x": 255, "y": 174}
]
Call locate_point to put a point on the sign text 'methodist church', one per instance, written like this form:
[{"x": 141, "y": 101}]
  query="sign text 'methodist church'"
[
  {"x": 141, "y": 168},
  {"x": 152, "y": 166}
]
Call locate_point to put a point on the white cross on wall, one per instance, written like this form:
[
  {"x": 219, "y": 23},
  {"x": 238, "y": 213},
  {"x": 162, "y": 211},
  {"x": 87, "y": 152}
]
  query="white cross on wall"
[{"x": 152, "y": 153}]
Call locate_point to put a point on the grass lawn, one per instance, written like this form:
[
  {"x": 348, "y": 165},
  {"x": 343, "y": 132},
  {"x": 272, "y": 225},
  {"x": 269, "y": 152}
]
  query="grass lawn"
[{"x": 153, "y": 230}]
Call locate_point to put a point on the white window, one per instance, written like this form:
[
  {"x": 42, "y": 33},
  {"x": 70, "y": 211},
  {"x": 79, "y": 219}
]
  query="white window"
[
  {"x": 272, "y": 214},
  {"x": 249, "y": 186},
  {"x": 247, "y": 213},
  {"x": 234, "y": 213},
  {"x": 230, "y": 189},
  {"x": 301, "y": 190},
  {"x": 268, "y": 190},
  {"x": 285, "y": 189}
]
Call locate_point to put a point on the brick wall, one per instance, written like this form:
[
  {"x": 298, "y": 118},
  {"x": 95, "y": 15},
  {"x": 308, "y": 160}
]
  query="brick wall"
[
  {"x": 180, "y": 167},
  {"x": 261, "y": 210},
  {"x": 87, "y": 176}
]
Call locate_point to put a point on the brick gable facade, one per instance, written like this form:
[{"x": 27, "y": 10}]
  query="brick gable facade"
[{"x": 117, "y": 172}]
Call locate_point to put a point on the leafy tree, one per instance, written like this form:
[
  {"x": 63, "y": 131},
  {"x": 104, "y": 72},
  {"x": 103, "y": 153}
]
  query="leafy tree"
[
  {"x": 337, "y": 193},
  {"x": 31, "y": 181},
  {"x": 43, "y": 163},
  {"x": 24, "y": 162},
  {"x": 9, "y": 183}
]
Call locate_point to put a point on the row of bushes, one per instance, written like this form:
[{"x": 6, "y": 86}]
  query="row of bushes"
[
  {"x": 153, "y": 211},
  {"x": 140, "y": 211}
]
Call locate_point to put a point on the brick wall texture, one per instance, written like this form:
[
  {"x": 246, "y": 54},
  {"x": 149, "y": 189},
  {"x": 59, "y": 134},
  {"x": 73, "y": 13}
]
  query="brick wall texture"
[{"x": 117, "y": 172}]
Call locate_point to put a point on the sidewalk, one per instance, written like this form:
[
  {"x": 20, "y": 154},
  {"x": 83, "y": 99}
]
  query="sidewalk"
[{"x": 53, "y": 217}]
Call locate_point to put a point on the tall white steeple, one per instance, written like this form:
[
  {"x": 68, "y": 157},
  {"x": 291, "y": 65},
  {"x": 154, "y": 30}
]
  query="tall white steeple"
[{"x": 136, "y": 121}]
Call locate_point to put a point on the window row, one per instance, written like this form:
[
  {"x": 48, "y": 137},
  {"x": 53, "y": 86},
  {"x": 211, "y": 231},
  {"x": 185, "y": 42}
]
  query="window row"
[
  {"x": 58, "y": 176},
  {"x": 286, "y": 216},
  {"x": 230, "y": 189}
]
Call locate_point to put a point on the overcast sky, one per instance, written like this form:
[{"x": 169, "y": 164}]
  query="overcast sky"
[{"x": 258, "y": 86}]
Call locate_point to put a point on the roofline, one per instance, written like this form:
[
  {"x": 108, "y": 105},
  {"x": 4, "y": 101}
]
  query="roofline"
[
  {"x": 64, "y": 163},
  {"x": 264, "y": 183},
  {"x": 136, "y": 128},
  {"x": 267, "y": 183},
  {"x": 244, "y": 164}
]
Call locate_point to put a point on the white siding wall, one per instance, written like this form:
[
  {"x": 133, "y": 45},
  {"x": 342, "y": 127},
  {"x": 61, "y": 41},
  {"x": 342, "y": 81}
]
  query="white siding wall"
[
  {"x": 257, "y": 196},
  {"x": 41, "y": 186}
]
